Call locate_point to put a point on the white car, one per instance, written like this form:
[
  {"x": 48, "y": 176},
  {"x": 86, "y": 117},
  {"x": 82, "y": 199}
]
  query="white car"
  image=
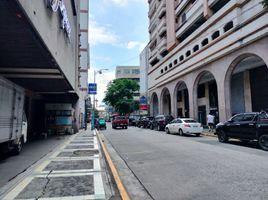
[{"x": 184, "y": 126}]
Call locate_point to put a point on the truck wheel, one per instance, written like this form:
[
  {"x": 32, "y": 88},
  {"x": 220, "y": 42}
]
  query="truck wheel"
[
  {"x": 222, "y": 136},
  {"x": 17, "y": 147},
  {"x": 125, "y": 127},
  {"x": 263, "y": 142}
]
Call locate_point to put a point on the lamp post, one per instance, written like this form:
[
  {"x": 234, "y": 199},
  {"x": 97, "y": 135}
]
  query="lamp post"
[{"x": 93, "y": 110}]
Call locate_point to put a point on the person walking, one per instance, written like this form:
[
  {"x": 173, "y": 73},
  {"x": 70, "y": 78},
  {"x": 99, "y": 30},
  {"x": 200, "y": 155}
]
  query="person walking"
[{"x": 210, "y": 122}]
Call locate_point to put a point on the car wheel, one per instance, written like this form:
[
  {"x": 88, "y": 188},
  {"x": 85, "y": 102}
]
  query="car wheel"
[
  {"x": 167, "y": 131},
  {"x": 158, "y": 128},
  {"x": 180, "y": 132},
  {"x": 125, "y": 127},
  {"x": 263, "y": 142},
  {"x": 151, "y": 127},
  {"x": 197, "y": 134},
  {"x": 17, "y": 147},
  {"x": 222, "y": 136}
]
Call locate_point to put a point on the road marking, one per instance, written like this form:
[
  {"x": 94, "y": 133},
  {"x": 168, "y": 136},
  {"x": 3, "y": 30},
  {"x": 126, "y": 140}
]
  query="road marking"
[{"x": 122, "y": 190}]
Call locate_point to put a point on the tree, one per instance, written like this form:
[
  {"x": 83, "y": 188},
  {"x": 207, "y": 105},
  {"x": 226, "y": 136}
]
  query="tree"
[
  {"x": 265, "y": 3},
  {"x": 120, "y": 94}
]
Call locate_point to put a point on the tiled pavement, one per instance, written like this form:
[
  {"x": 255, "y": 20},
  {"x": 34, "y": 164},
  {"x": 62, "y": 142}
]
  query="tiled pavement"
[{"x": 72, "y": 171}]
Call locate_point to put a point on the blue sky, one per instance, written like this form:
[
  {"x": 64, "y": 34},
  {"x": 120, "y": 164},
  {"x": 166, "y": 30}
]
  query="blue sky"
[{"x": 118, "y": 32}]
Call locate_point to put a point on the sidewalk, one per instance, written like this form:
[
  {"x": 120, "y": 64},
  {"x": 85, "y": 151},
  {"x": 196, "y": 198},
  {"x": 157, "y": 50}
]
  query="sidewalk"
[{"x": 71, "y": 171}]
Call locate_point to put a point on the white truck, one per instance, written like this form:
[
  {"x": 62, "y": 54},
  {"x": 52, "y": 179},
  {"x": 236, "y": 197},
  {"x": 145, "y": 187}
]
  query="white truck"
[{"x": 13, "y": 123}]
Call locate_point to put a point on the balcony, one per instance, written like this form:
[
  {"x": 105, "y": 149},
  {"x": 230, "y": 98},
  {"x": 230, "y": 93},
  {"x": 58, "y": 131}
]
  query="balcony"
[
  {"x": 161, "y": 10},
  {"x": 162, "y": 46},
  {"x": 152, "y": 11},
  {"x": 162, "y": 26},
  {"x": 181, "y": 5},
  {"x": 192, "y": 16}
]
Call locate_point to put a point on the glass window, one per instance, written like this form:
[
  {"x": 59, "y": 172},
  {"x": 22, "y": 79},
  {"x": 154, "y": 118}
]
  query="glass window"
[
  {"x": 238, "y": 118},
  {"x": 135, "y": 71},
  {"x": 126, "y": 71},
  {"x": 248, "y": 117},
  {"x": 118, "y": 71},
  {"x": 190, "y": 121}
]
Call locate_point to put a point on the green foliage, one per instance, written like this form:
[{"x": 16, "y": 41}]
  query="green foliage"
[
  {"x": 120, "y": 95},
  {"x": 265, "y": 3}
]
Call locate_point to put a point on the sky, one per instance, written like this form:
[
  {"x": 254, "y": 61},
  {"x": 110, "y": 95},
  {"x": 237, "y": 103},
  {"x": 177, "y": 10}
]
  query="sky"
[{"x": 118, "y": 32}]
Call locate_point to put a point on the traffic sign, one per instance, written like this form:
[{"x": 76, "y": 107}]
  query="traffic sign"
[{"x": 92, "y": 88}]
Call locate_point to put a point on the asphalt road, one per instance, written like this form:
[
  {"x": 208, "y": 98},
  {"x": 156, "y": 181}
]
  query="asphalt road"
[{"x": 173, "y": 167}]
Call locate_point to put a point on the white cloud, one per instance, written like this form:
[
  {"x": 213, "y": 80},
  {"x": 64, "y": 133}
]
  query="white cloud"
[
  {"x": 100, "y": 34},
  {"x": 135, "y": 44},
  {"x": 102, "y": 81}
]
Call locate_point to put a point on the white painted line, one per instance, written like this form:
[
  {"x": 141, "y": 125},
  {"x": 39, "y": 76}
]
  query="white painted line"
[
  {"x": 67, "y": 175},
  {"x": 98, "y": 186},
  {"x": 86, "y": 197},
  {"x": 13, "y": 193}
]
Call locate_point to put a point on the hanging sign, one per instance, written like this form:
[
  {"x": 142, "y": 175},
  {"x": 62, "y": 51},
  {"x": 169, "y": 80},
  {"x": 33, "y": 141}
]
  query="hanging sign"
[
  {"x": 54, "y": 5},
  {"x": 65, "y": 24}
]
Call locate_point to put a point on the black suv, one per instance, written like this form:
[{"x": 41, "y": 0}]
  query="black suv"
[
  {"x": 246, "y": 127},
  {"x": 160, "y": 121},
  {"x": 144, "y": 122}
]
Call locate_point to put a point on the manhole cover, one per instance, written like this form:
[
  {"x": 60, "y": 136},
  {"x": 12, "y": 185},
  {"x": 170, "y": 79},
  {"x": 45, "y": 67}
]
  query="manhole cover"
[
  {"x": 69, "y": 165},
  {"x": 58, "y": 187},
  {"x": 78, "y": 153},
  {"x": 79, "y": 146}
]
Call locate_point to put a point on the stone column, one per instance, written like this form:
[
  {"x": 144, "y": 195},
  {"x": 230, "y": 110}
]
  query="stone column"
[{"x": 207, "y": 11}]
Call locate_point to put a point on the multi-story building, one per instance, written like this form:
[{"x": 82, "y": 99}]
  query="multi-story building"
[
  {"x": 144, "y": 66},
  {"x": 207, "y": 56},
  {"x": 40, "y": 51},
  {"x": 129, "y": 72}
]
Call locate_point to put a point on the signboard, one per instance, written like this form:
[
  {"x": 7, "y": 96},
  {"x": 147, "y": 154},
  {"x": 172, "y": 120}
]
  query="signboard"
[
  {"x": 92, "y": 88},
  {"x": 143, "y": 100},
  {"x": 143, "y": 107}
]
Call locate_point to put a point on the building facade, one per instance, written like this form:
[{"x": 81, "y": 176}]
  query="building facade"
[
  {"x": 42, "y": 51},
  {"x": 207, "y": 56},
  {"x": 129, "y": 72}
]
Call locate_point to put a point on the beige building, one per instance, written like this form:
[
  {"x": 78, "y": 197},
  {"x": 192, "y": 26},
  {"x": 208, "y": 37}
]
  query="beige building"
[
  {"x": 44, "y": 49},
  {"x": 129, "y": 72},
  {"x": 207, "y": 56}
]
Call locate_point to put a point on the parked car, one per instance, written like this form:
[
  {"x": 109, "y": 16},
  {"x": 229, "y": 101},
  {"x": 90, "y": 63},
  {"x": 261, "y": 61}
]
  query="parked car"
[
  {"x": 150, "y": 122},
  {"x": 245, "y": 127},
  {"x": 133, "y": 119},
  {"x": 161, "y": 121},
  {"x": 184, "y": 126},
  {"x": 120, "y": 121},
  {"x": 145, "y": 122}
]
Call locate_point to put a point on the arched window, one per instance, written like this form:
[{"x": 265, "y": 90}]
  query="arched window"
[
  {"x": 165, "y": 68},
  {"x": 162, "y": 71},
  {"x": 175, "y": 62},
  {"x": 196, "y": 48},
  {"x": 188, "y": 53},
  {"x": 215, "y": 35},
  {"x": 170, "y": 65},
  {"x": 181, "y": 58},
  {"x": 228, "y": 26},
  {"x": 204, "y": 42}
]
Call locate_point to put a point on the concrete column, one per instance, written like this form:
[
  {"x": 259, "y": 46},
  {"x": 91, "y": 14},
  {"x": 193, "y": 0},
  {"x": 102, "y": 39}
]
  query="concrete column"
[
  {"x": 172, "y": 103},
  {"x": 192, "y": 101},
  {"x": 247, "y": 92},
  {"x": 207, "y": 98},
  {"x": 207, "y": 11}
]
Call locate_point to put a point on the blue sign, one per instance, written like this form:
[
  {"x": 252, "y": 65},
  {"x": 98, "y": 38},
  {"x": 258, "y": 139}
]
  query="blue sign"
[
  {"x": 143, "y": 100},
  {"x": 92, "y": 88}
]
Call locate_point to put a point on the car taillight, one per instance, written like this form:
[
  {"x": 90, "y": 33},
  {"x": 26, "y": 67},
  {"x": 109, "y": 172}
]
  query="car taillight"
[{"x": 187, "y": 125}]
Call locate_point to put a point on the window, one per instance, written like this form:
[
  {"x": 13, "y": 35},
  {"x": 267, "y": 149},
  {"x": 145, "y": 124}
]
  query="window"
[
  {"x": 162, "y": 71},
  {"x": 248, "y": 117},
  {"x": 175, "y": 62},
  {"x": 181, "y": 58},
  {"x": 118, "y": 71},
  {"x": 196, "y": 48},
  {"x": 183, "y": 18},
  {"x": 204, "y": 42},
  {"x": 165, "y": 68},
  {"x": 228, "y": 26},
  {"x": 135, "y": 71},
  {"x": 170, "y": 65},
  {"x": 188, "y": 53},
  {"x": 126, "y": 71},
  {"x": 238, "y": 118},
  {"x": 215, "y": 35}
]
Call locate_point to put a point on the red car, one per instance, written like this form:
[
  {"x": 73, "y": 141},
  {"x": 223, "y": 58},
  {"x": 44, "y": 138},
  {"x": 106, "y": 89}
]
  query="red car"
[{"x": 120, "y": 121}]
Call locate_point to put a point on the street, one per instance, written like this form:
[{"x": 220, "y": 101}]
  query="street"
[{"x": 173, "y": 167}]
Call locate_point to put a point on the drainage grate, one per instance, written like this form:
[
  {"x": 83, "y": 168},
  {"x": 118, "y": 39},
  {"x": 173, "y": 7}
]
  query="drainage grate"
[
  {"x": 79, "y": 147},
  {"x": 58, "y": 187},
  {"x": 69, "y": 165},
  {"x": 78, "y": 153}
]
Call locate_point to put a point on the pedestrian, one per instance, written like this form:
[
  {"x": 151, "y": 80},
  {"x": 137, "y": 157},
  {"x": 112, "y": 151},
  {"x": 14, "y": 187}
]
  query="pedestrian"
[{"x": 210, "y": 122}]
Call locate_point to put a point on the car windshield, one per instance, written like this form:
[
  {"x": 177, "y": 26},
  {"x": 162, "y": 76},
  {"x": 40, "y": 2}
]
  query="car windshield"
[{"x": 189, "y": 121}]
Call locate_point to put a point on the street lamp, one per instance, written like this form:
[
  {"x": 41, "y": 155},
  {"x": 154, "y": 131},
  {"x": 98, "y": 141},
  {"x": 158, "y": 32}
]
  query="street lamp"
[{"x": 93, "y": 110}]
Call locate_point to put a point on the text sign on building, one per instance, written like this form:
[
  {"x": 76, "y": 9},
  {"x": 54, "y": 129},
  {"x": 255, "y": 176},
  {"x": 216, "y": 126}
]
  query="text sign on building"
[{"x": 92, "y": 88}]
